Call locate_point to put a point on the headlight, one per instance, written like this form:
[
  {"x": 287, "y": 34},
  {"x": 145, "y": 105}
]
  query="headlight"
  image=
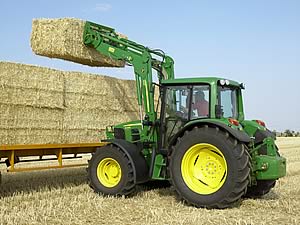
[{"x": 222, "y": 82}]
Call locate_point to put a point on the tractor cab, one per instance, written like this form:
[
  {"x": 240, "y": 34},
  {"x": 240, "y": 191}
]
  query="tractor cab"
[{"x": 189, "y": 101}]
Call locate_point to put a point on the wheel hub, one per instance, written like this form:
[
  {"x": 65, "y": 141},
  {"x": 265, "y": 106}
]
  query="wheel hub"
[
  {"x": 204, "y": 168},
  {"x": 109, "y": 172},
  {"x": 113, "y": 171}
]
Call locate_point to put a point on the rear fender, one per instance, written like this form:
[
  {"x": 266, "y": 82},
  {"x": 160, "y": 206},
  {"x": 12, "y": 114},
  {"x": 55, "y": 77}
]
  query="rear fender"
[{"x": 239, "y": 135}]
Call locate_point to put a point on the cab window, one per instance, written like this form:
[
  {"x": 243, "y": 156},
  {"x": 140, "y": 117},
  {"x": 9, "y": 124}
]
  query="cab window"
[
  {"x": 200, "y": 102},
  {"x": 228, "y": 101}
]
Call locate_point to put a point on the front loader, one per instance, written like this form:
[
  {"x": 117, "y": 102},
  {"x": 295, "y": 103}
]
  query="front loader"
[{"x": 191, "y": 132}]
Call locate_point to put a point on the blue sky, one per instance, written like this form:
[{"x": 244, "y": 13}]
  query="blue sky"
[{"x": 254, "y": 42}]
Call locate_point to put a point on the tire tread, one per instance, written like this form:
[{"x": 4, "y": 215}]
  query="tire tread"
[{"x": 241, "y": 154}]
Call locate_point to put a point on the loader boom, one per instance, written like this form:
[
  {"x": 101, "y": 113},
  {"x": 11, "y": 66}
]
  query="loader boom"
[{"x": 107, "y": 42}]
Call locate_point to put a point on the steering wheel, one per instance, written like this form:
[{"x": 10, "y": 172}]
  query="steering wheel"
[{"x": 182, "y": 113}]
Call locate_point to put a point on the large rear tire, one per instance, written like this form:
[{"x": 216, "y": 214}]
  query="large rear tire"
[
  {"x": 110, "y": 172},
  {"x": 209, "y": 168}
]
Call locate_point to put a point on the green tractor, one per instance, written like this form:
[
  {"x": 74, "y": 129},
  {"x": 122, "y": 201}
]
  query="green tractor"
[{"x": 191, "y": 132}]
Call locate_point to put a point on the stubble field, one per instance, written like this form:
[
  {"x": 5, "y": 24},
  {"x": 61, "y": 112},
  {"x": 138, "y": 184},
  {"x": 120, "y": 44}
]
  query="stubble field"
[{"x": 64, "y": 197}]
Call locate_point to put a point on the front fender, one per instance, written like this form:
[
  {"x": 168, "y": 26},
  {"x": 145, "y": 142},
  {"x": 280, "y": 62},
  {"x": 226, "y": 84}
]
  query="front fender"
[
  {"x": 257, "y": 131},
  {"x": 141, "y": 170}
]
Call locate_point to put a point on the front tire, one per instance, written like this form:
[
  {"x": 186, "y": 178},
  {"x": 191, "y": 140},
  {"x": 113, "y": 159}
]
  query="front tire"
[
  {"x": 209, "y": 168},
  {"x": 262, "y": 188},
  {"x": 110, "y": 172}
]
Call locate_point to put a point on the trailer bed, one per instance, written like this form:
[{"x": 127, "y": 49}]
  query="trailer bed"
[{"x": 14, "y": 152}]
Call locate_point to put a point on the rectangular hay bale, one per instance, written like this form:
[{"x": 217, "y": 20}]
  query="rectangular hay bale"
[
  {"x": 91, "y": 91},
  {"x": 32, "y": 136},
  {"x": 19, "y": 75},
  {"x": 27, "y": 117},
  {"x": 106, "y": 103},
  {"x": 95, "y": 118},
  {"x": 31, "y": 97},
  {"x": 63, "y": 39},
  {"x": 31, "y": 85},
  {"x": 83, "y": 135}
]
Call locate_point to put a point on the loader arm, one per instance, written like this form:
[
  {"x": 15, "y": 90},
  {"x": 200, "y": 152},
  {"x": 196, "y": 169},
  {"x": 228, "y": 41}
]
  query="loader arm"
[{"x": 107, "y": 42}]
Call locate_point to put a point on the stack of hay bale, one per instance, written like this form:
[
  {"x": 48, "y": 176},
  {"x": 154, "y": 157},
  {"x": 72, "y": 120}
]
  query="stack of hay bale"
[{"x": 41, "y": 106}]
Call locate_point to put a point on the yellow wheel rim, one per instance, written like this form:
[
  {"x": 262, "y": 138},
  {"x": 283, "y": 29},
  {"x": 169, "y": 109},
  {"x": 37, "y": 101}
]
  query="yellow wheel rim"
[
  {"x": 109, "y": 172},
  {"x": 204, "y": 168}
]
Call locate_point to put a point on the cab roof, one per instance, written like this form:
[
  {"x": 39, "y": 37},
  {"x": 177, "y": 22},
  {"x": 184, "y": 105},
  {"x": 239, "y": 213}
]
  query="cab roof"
[{"x": 202, "y": 80}]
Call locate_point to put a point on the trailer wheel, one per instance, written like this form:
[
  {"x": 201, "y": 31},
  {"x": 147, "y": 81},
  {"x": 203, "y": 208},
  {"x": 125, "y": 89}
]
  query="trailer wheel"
[
  {"x": 209, "y": 168},
  {"x": 110, "y": 172}
]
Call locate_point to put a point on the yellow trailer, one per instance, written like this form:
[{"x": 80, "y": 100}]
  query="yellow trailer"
[{"x": 14, "y": 152}]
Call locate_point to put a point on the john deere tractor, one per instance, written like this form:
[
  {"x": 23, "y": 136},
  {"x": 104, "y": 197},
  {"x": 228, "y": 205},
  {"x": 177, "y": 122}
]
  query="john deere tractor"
[{"x": 191, "y": 132}]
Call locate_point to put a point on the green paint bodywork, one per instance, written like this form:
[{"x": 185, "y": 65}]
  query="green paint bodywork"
[
  {"x": 159, "y": 164},
  {"x": 127, "y": 127},
  {"x": 144, "y": 60},
  {"x": 221, "y": 120},
  {"x": 267, "y": 167},
  {"x": 250, "y": 127},
  {"x": 195, "y": 80}
]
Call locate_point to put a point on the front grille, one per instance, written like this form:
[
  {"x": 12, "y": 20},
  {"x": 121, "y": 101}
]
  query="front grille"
[
  {"x": 135, "y": 134},
  {"x": 119, "y": 133}
]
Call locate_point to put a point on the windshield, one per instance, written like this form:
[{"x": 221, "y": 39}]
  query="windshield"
[{"x": 227, "y": 101}]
